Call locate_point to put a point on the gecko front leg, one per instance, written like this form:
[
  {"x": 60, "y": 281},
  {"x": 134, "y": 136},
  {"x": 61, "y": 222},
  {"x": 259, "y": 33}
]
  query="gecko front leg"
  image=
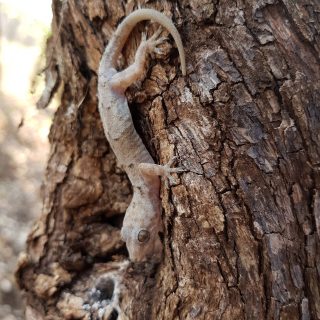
[
  {"x": 123, "y": 79},
  {"x": 153, "y": 169}
]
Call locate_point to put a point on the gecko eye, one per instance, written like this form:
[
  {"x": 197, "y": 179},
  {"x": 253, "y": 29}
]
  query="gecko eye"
[{"x": 143, "y": 235}]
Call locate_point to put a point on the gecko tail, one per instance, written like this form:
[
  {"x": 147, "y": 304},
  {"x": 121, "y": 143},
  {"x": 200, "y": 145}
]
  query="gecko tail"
[{"x": 121, "y": 35}]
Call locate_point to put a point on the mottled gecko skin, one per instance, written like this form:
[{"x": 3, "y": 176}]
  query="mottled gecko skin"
[{"x": 142, "y": 222}]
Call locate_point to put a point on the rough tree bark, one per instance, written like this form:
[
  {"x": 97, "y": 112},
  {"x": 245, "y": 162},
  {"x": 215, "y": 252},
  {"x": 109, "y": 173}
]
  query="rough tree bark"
[{"x": 242, "y": 225}]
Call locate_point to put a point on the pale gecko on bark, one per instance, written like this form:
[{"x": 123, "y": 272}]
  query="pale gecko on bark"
[{"x": 142, "y": 222}]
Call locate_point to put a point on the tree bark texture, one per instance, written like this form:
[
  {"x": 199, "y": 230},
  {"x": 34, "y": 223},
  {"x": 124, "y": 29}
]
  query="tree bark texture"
[{"x": 242, "y": 224}]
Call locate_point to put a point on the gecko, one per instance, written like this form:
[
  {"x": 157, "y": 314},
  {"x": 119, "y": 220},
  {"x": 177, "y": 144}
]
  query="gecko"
[{"x": 142, "y": 223}]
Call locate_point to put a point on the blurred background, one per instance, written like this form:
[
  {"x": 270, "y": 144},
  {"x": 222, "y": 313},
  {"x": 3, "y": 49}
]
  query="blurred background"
[{"x": 24, "y": 29}]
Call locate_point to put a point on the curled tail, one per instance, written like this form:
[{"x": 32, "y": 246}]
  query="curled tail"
[{"x": 121, "y": 35}]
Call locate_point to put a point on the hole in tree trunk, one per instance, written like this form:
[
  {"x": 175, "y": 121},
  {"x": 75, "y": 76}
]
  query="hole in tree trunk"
[{"x": 106, "y": 288}]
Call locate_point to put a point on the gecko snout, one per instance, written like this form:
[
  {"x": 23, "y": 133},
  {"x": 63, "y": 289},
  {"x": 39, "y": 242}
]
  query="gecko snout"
[{"x": 142, "y": 244}]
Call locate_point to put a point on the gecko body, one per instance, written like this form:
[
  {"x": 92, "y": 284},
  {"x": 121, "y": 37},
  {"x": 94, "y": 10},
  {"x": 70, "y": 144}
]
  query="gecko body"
[{"x": 142, "y": 222}]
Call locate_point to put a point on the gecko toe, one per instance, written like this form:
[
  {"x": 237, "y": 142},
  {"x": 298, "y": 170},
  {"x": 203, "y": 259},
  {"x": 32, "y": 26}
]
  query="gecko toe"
[
  {"x": 160, "y": 40},
  {"x": 171, "y": 161},
  {"x": 156, "y": 34},
  {"x": 143, "y": 36},
  {"x": 178, "y": 169}
]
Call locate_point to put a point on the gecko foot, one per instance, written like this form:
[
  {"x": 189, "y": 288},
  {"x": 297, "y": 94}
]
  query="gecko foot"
[
  {"x": 168, "y": 170},
  {"x": 155, "y": 41},
  {"x": 160, "y": 170}
]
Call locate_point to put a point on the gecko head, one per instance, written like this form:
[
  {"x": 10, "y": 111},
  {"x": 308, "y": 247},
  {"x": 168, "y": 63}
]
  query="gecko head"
[
  {"x": 142, "y": 243},
  {"x": 141, "y": 227}
]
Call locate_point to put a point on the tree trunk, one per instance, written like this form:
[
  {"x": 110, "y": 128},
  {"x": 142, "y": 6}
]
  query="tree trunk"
[{"x": 242, "y": 224}]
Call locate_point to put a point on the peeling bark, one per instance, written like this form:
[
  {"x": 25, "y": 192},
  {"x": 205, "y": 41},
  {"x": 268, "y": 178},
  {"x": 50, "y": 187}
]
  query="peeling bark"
[{"x": 242, "y": 224}]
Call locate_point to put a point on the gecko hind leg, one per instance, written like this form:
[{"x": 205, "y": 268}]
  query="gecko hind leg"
[{"x": 123, "y": 79}]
